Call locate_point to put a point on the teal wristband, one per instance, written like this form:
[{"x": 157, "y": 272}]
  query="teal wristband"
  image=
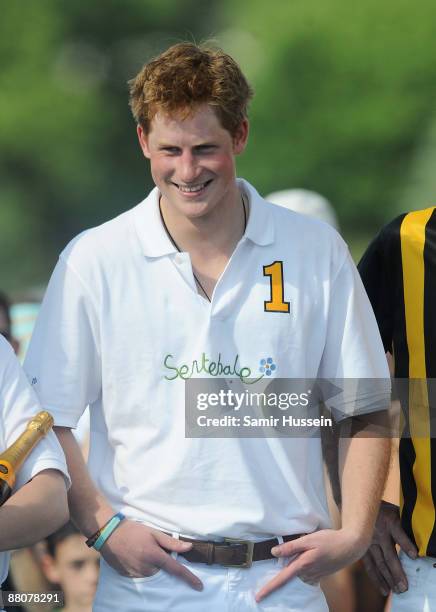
[{"x": 108, "y": 529}]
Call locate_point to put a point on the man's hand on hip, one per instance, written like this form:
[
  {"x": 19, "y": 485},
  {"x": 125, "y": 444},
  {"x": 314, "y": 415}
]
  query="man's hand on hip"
[
  {"x": 314, "y": 556},
  {"x": 136, "y": 550},
  {"x": 381, "y": 561}
]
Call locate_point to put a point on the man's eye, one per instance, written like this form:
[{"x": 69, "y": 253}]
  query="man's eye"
[
  {"x": 206, "y": 149},
  {"x": 171, "y": 150}
]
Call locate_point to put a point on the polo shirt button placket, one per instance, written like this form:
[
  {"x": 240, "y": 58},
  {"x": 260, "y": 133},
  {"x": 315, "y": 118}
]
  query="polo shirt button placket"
[{"x": 182, "y": 262}]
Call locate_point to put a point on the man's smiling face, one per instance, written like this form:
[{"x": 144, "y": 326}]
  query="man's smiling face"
[{"x": 192, "y": 159}]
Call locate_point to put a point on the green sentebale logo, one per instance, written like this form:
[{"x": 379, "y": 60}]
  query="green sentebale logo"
[{"x": 207, "y": 366}]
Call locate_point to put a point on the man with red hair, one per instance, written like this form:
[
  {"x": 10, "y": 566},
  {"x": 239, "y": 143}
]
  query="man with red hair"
[{"x": 204, "y": 278}]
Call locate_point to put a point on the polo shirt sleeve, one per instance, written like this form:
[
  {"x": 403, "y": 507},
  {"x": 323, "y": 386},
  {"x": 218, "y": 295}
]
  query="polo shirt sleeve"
[
  {"x": 63, "y": 359},
  {"x": 18, "y": 405},
  {"x": 353, "y": 356}
]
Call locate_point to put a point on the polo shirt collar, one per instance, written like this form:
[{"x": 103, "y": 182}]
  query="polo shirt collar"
[
  {"x": 149, "y": 228},
  {"x": 260, "y": 226},
  {"x": 155, "y": 242}
]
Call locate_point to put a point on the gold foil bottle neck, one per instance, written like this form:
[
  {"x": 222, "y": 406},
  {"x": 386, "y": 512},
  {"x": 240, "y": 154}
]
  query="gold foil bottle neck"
[
  {"x": 43, "y": 422},
  {"x": 14, "y": 456}
]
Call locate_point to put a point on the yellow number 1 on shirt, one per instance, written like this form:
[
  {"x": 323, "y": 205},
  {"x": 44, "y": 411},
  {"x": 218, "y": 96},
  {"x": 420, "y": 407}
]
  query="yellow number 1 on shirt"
[{"x": 277, "y": 303}]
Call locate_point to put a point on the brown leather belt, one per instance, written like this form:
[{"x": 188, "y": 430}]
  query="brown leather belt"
[{"x": 232, "y": 552}]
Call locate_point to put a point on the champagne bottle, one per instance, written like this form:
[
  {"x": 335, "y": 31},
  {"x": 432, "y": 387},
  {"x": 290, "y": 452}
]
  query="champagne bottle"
[{"x": 14, "y": 456}]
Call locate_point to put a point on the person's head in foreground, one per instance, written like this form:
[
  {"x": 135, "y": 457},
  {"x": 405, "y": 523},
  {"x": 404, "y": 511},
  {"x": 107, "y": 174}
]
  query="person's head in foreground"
[
  {"x": 190, "y": 105},
  {"x": 73, "y": 566}
]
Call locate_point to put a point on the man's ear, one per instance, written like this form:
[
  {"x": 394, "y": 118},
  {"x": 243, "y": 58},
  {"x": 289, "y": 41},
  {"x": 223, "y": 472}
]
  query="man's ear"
[
  {"x": 241, "y": 137},
  {"x": 143, "y": 141}
]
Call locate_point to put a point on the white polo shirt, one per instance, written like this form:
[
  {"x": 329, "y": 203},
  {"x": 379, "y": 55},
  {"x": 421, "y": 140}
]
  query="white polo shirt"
[
  {"x": 122, "y": 325},
  {"x": 18, "y": 405}
]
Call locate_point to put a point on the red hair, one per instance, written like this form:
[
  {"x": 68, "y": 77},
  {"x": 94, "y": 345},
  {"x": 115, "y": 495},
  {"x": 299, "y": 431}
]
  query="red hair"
[{"x": 186, "y": 76}]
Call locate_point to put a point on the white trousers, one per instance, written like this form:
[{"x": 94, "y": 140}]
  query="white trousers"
[
  {"x": 421, "y": 595},
  {"x": 225, "y": 590}
]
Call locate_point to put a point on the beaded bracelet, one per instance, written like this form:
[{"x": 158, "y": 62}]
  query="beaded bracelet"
[{"x": 99, "y": 538}]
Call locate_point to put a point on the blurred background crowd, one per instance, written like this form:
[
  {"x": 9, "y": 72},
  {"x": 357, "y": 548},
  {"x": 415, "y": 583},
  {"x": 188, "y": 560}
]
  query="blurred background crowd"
[{"x": 343, "y": 106}]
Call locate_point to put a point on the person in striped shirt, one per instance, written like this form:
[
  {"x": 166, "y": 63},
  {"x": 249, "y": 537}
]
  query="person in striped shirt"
[{"x": 399, "y": 273}]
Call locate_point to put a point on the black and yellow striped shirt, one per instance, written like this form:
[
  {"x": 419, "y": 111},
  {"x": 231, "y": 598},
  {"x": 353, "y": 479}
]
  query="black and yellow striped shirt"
[{"x": 399, "y": 274}]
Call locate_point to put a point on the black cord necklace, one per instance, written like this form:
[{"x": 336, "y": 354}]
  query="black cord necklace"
[{"x": 197, "y": 280}]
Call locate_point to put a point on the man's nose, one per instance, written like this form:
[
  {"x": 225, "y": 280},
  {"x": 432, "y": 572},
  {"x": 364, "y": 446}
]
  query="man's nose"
[{"x": 188, "y": 168}]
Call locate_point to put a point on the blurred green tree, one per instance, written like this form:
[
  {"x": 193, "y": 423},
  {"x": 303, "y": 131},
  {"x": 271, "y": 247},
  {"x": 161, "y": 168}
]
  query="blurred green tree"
[
  {"x": 344, "y": 94},
  {"x": 344, "y": 106},
  {"x": 68, "y": 152}
]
